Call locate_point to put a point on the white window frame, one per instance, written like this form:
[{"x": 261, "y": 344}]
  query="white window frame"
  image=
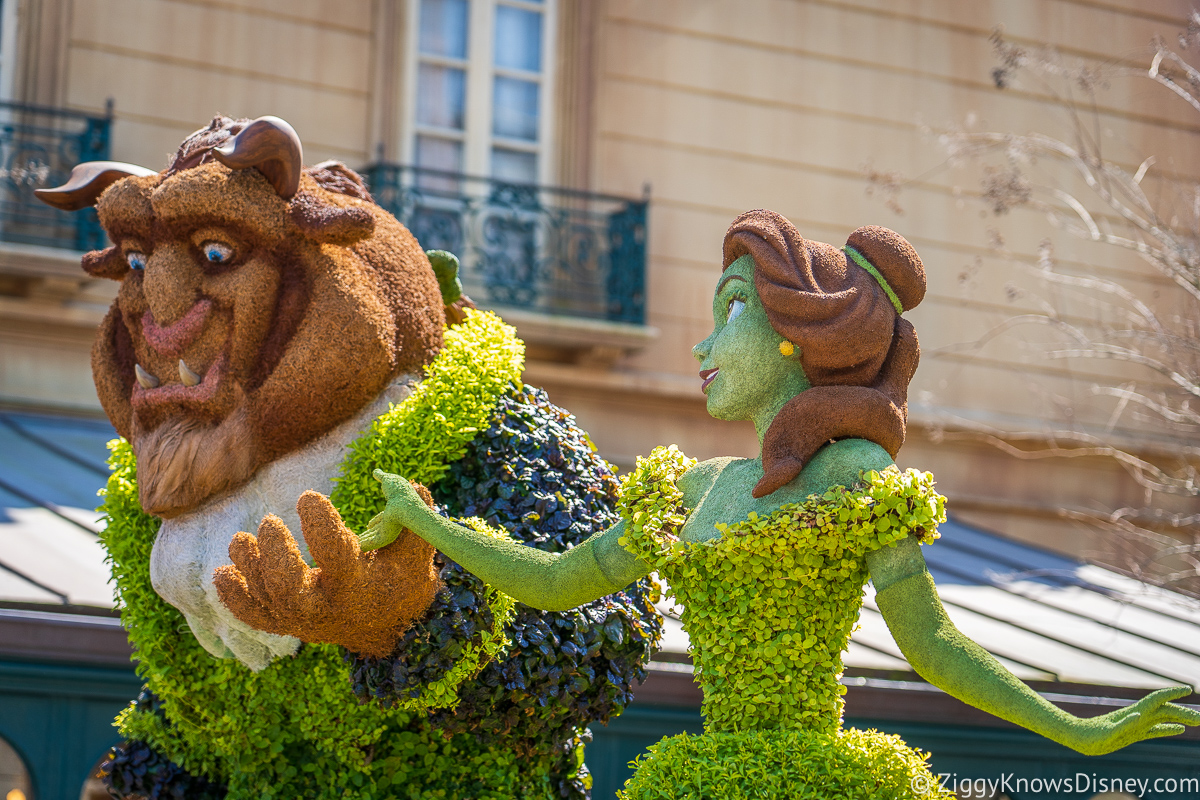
[
  {"x": 9, "y": 19},
  {"x": 477, "y": 134}
]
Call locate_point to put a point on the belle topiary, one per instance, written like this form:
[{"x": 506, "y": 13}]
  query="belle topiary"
[{"x": 769, "y": 555}]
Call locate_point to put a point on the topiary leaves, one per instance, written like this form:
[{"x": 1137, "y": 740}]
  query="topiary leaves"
[
  {"x": 296, "y": 729},
  {"x": 531, "y": 472},
  {"x": 797, "y": 764},
  {"x": 770, "y": 605}
]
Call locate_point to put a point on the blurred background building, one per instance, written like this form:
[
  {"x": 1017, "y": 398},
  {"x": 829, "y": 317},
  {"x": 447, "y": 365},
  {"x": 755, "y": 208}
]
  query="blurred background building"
[{"x": 584, "y": 158}]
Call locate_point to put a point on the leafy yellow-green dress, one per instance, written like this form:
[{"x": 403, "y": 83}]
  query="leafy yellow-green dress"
[{"x": 769, "y": 608}]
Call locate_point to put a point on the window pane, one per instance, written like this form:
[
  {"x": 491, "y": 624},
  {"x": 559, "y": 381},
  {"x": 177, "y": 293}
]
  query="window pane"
[
  {"x": 518, "y": 39},
  {"x": 441, "y": 96},
  {"x": 515, "y": 109},
  {"x": 514, "y": 166},
  {"x": 435, "y": 153},
  {"x": 444, "y": 28},
  {"x": 442, "y": 154}
]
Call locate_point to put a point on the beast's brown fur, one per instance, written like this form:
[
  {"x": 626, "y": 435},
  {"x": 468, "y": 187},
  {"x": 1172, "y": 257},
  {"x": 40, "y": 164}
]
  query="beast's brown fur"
[
  {"x": 856, "y": 350},
  {"x": 326, "y": 299}
]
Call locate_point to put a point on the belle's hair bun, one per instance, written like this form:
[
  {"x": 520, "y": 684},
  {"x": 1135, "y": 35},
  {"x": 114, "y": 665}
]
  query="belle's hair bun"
[{"x": 896, "y": 260}]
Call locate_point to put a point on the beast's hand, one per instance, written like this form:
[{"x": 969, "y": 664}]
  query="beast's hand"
[
  {"x": 362, "y": 601},
  {"x": 404, "y": 506}
]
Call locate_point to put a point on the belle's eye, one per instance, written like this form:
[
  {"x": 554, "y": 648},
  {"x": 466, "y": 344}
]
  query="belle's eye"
[
  {"x": 735, "y": 308},
  {"x": 136, "y": 260},
  {"x": 216, "y": 252}
]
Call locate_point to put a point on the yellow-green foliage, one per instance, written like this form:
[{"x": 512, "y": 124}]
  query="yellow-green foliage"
[
  {"x": 420, "y": 437},
  {"x": 295, "y": 729},
  {"x": 784, "y": 764},
  {"x": 652, "y": 505},
  {"x": 769, "y": 605}
]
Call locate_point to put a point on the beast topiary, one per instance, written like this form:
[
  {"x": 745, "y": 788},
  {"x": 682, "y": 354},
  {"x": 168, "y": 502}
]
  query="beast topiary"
[
  {"x": 254, "y": 733},
  {"x": 268, "y": 316}
]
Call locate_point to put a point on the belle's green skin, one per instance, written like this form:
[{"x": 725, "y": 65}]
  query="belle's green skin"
[{"x": 753, "y": 382}]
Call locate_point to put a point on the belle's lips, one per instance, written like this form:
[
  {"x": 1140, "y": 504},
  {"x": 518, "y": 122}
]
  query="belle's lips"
[{"x": 707, "y": 375}]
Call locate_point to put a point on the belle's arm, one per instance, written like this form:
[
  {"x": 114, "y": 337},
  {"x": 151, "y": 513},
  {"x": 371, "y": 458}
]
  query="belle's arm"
[
  {"x": 942, "y": 655},
  {"x": 549, "y": 581}
]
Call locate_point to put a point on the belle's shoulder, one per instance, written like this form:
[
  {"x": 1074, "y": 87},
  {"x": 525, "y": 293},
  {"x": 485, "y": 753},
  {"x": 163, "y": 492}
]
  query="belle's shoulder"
[
  {"x": 700, "y": 478},
  {"x": 840, "y": 463}
]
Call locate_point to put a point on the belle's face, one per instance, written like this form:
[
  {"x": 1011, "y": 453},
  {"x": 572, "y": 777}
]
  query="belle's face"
[{"x": 744, "y": 373}]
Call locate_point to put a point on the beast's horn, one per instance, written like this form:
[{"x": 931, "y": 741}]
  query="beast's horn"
[
  {"x": 88, "y": 180},
  {"x": 272, "y": 147}
]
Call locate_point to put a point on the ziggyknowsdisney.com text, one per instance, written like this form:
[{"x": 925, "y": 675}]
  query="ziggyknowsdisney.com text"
[{"x": 1080, "y": 783}]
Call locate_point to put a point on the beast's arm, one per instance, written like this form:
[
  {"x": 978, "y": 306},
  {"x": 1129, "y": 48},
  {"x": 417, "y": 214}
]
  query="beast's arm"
[
  {"x": 942, "y": 655},
  {"x": 549, "y": 581}
]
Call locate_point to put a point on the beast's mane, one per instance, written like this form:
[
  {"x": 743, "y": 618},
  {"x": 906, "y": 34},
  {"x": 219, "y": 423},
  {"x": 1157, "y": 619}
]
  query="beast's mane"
[{"x": 196, "y": 149}]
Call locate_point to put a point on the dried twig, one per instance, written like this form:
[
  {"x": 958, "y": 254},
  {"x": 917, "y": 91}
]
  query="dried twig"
[{"x": 1159, "y": 345}]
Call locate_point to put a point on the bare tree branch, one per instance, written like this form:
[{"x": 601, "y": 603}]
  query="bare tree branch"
[{"x": 1154, "y": 343}]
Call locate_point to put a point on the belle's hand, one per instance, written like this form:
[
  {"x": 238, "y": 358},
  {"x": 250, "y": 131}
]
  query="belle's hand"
[
  {"x": 1149, "y": 718},
  {"x": 404, "y": 507}
]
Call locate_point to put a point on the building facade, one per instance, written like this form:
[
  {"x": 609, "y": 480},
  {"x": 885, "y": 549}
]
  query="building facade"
[{"x": 708, "y": 109}]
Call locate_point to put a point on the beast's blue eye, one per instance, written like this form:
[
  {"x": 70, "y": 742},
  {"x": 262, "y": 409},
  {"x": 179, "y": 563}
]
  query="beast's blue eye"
[
  {"x": 136, "y": 260},
  {"x": 217, "y": 252}
]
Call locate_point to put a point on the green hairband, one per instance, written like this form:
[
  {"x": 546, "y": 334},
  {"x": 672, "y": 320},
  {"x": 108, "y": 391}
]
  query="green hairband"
[{"x": 869, "y": 267}]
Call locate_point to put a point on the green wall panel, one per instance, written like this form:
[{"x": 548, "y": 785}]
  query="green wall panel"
[{"x": 59, "y": 720}]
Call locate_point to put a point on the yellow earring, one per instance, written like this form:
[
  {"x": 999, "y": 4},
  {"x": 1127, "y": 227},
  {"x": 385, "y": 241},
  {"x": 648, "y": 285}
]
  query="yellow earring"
[{"x": 786, "y": 347}]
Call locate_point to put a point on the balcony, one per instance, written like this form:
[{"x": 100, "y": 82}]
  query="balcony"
[
  {"x": 38, "y": 147},
  {"x": 568, "y": 268},
  {"x": 49, "y": 307}
]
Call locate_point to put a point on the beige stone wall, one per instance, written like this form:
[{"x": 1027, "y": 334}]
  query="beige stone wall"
[
  {"x": 721, "y": 106},
  {"x": 171, "y": 65}
]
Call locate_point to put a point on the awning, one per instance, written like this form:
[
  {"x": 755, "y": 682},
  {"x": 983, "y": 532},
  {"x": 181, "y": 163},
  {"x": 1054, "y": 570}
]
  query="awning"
[{"x": 51, "y": 468}]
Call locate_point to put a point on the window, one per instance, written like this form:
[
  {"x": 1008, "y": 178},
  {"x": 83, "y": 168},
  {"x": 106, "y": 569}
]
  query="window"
[
  {"x": 480, "y": 88},
  {"x": 8, "y": 48},
  {"x": 14, "y": 777}
]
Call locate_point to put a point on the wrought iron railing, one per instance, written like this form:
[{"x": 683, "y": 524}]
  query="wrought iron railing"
[
  {"x": 555, "y": 251},
  {"x": 38, "y": 147}
]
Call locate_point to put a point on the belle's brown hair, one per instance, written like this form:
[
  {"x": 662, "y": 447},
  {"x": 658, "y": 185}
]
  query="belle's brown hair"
[{"x": 857, "y": 351}]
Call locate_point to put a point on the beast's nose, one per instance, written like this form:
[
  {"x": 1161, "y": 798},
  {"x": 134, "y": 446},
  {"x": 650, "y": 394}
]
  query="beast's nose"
[
  {"x": 171, "y": 282},
  {"x": 173, "y": 339}
]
